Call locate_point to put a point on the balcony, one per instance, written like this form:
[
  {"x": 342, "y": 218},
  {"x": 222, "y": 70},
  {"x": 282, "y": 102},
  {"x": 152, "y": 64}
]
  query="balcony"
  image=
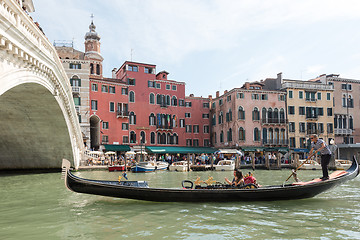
[
  {"x": 163, "y": 105},
  {"x": 310, "y": 99},
  {"x": 164, "y": 128},
  {"x": 75, "y": 89},
  {"x": 77, "y": 109},
  {"x": 312, "y": 131},
  {"x": 273, "y": 121},
  {"x": 339, "y": 131},
  {"x": 122, "y": 114},
  {"x": 312, "y": 117}
]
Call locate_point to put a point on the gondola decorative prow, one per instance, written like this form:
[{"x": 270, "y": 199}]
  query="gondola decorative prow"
[{"x": 65, "y": 166}]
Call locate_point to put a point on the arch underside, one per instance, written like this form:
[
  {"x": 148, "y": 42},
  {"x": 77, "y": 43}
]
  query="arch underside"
[{"x": 33, "y": 130}]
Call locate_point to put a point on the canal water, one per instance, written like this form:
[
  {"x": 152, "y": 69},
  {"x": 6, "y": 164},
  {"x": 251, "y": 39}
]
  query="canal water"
[{"x": 38, "y": 206}]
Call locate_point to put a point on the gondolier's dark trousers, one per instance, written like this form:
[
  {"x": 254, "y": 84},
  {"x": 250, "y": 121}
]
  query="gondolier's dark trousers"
[{"x": 325, "y": 160}]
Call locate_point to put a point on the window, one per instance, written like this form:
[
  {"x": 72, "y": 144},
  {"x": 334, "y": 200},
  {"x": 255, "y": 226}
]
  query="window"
[
  {"x": 77, "y": 101},
  {"x": 320, "y": 111},
  {"x": 124, "y": 91},
  {"x": 132, "y": 118},
  {"x": 94, "y": 105},
  {"x": 229, "y": 135},
  {"x": 221, "y": 118},
  {"x": 256, "y": 114},
  {"x": 255, "y": 96},
  {"x": 320, "y": 128},
  {"x": 187, "y": 104},
  {"x": 174, "y": 87},
  {"x": 152, "y": 138},
  {"x": 131, "y": 81},
  {"x": 187, "y": 115},
  {"x": 220, "y": 102},
  {"x": 291, "y": 126},
  {"x": 75, "y": 66},
  {"x": 148, "y": 70},
  {"x": 91, "y": 68},
  {"x": 196, "y": 129},
  {"x": 206, "y": 105},
  {"x": 97, "y": 69},
  {"x": 182, "y": 123},
  {"x": 328, "y": 96},
  {"x": 133, "y": 68},
  {"x": 213, "y": 120},
  {"x": 264, "y": 97},
  {"x": 173, "y": 101},
  {"x": 152, "y": 119},
  {"x": 105, "y": 125},
  {"x": 291, "y": 110},
  {"x": 229, "y": 116},
  {"x": 292, "y": 142},
  {"x": 241, "y": 113},
  {"x": 125, "y": 139},
  {"x": 346, "y": 86},
  {"x": 330, "y": 128},
  {"x": 188, "y": 142},
  {"x": 310, "y": 96},
  {"x": 94, "y": 87},
  {"x": 205, "y": 115},
  {"x": 151, "y": 84},
  {"x": 206, "y": 129},
  {"x": 240, "y": 95},
  {"x": 301, "y": 110},
  {"x": 104, "y": 88},
  {"x": 319, "y": 95},
  {"x": 158, "y": 85},
  {"x": 351, "y": 122},
  {"x": 112, "y": 107},
  {"x": 142, "y": 137},
  {"x": 132, "y": 137},
  {"x": 111, "y": 89},
  {"x": 152, "y": 98},
  {"x": 302, "y": 127},
  {"x": 105, "y": 139},
  {"x": 281, "y": 97},
  {"x": 132, "y": 97},
  {"x": 195, "y": 142},
  {"x": 301, "y": 95},
  {"x": 256, "y": 135},
  {"x": 228, "y": 98},
  {"x": 241, "y": 134},
  {"x": 167, "y": 86},
  {"x": 329, "y": 112},
  {"x": 181, "y": 102},
  {"x": 206, "y": 142},
  {"x": 221, "y": 136},
  {"x": 290, "y": 94},
  {"x": 125, "y": 126},
  {"x": 188, "y": 128}
]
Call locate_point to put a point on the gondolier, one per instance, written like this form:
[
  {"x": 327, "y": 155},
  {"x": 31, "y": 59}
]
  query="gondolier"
[{"x": 320, "y": 146}]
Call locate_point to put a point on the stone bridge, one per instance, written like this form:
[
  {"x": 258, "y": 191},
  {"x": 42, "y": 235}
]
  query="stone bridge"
[{"x": 38, "y": 121}]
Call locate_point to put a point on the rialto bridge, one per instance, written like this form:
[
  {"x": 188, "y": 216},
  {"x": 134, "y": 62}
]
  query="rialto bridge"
[{"x": 38, "y": 122}]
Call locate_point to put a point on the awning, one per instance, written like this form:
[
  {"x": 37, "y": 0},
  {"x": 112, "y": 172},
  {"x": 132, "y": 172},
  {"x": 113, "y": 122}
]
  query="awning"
[
  {"x": 252, "y": 149},
  {"x": 276, "y": 149},
  {"x": 116, "y": 147},
  {"x": 229, "y": 151},
  {"x": 182, "y": 150}
]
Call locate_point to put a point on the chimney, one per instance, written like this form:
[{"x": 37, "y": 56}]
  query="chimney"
[
  {"x": 247, "y": 85},
  {"x": 210, "y": 97},
  {"x": 225, "y": 92},
  {"x": 114, "y": 72},
  {"x": 191, "y": 95},
  {"x": 217, "y": 94}
]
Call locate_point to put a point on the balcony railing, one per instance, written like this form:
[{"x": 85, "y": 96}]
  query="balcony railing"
[
  {"x": 274, "y": 121},
  {"x": 75, "y": 89},
  {"x": 312, "y": 117},
  {"x": 122, "y": 114},
  {"x": 339, "y": 131},
  {"x": 275, "y": 141}
]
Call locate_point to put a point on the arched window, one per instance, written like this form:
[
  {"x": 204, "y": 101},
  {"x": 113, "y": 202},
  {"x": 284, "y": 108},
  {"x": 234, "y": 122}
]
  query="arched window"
[
  {"x": 163, "y": 138},
  {"x": 276, "y": 115},
  {"x": 176, "y": 139},
  {"x": 168, "y": 102},
  {"x": 271, "y": 136},
  {"x": 215, "y": 139},
  {"x": 221, "y": 136},
  {"x": 152, "y": 98},
  {"x": 75, "y": 81},
  {"x": 168, "y": 139},
  {"x": 241, "y": 113},
  {"x": 256, "y": 114},
  {"x": 256, "y": 135},
  {"x": 98, "y": 69},
  {"x": 282, "y": 115},
  {"x": 263, "y": 115},
  {"x": 132, "y": 137},
  {"x": 351, "y": 123},
  {"x": 132, "y": 118},
  {"x": 158, "y": 99},
  {"x": 159, "y": 138},
  {"x": 221, "y": 118},
  {"x": 276, "y": 136},
  {"x": 282, "y": 136},
  {"x": 344, "y": 122},
  {"x": 131, "y": 96},
  {"x": 174, "y": 101},
  {"x": 229, "y": 115},
  {"x": 264, "y": 136},
  {"x": 91, "y": 68},
  {"x": 142, "y": 137},
  {"x": 241, "y": 134},
  {"x": 174, "y": 125},
  {"x": 229, "y": 135},
  {"x": 152, "y": 138},
  {"x": 270, "y": 115}
]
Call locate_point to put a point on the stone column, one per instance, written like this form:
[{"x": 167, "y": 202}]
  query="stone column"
[
  {"x": 267, "y": 164},
  {"x": 278, "y": 159}
]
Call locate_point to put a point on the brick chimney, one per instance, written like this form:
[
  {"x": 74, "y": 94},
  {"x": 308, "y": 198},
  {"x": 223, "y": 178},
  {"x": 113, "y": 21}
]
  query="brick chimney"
[
  {"x": 114, "y": 73},
  {"x": 217, "y": 94}
]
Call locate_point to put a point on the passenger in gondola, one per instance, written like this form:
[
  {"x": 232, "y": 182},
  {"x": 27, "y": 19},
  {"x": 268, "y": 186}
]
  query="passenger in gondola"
[{"x": 238, "y": 178}]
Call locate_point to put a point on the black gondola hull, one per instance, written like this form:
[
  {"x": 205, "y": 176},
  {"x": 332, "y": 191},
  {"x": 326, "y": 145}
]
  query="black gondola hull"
[{"x": 268, "y": 193}]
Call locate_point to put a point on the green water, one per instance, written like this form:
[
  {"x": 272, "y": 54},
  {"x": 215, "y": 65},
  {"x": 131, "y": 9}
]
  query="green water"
[{"x": 38, "y": 206}]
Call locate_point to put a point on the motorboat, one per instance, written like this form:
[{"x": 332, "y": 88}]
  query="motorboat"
[
  {"x": 116, "y": 168},
  {"x": 190, "y": 192},
  {"x": 149, "y": 166},
  {"x": 225, "y": 165},
  {"x": 161, "y": 165},
  {"x": 310, "y": 165},
  {"x": 180, "y": 166},
  {"x": 342, "y": 164}
]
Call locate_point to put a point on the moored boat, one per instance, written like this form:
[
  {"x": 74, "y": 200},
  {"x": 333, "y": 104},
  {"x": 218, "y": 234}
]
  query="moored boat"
[
  {"x": 211, "y": 193},
  {"x": 180, "y": 166},
  {"x": 310, "y": 165},
  {"x": 161, "y": 165},
  {"x": 342, "y": 164},
  {"x": 116, "y": 168},
  {"x": 144, "y": 167},
  {"x": 225, "y": 165}
]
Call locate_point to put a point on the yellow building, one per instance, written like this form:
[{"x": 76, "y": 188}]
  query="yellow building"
[{"x": 309, "y": 111}]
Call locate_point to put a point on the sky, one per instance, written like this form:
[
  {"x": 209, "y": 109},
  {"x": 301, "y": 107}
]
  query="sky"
[{"x": 215, "y": 45}]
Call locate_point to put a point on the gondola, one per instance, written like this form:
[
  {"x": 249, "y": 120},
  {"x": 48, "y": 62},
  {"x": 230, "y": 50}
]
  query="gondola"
[{"x": 214, "y": 193}]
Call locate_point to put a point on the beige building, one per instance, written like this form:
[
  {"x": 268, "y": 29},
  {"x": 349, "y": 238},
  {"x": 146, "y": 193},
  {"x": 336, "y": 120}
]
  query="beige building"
[
  {"x": 77, "y": 70},
  {"x": 309, "y": 111}
]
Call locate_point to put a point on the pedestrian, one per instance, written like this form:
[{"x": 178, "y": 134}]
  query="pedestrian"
[{"x": 320, "y": 146}]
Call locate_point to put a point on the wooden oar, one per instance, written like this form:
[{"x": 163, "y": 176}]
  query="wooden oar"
[{"x": 299, "y": 167}]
